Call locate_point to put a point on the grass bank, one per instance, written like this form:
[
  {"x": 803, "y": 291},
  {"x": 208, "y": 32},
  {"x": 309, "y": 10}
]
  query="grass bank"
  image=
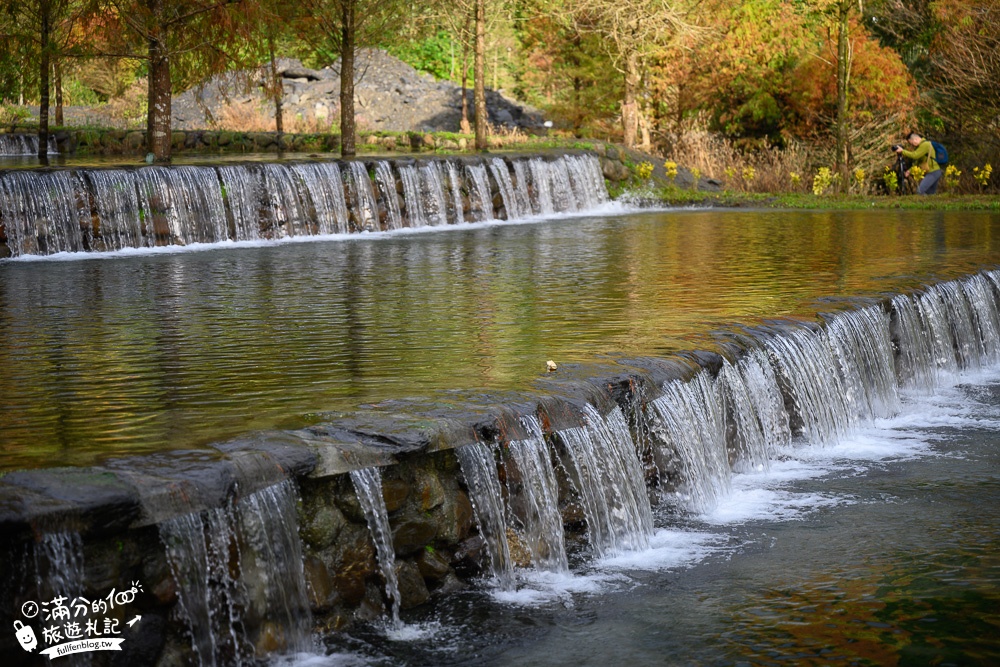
[{"x": 675, "y": 196}]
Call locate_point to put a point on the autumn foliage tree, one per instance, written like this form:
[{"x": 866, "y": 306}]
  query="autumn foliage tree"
[
  {"x": 565, "y": 71},
  {"x": 39, "y": 31},
  {"x": 758, "y": 72},
  {"x": 181, "y": 42},
  {"x": 768, "y": 71},
  {"x": 629, "y": 31},
  {"x": 965, "y": 61},
  {"x": 746, "y": 72}
]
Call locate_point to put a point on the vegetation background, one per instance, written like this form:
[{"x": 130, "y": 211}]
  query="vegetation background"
[{"x": 762, "y": 94}]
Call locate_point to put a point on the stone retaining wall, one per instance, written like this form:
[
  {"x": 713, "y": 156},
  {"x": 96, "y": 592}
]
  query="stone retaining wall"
[{"x": 115, "y": 510}]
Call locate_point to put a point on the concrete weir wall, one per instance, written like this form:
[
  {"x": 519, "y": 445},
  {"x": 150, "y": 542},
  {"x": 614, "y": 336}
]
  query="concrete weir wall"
[
  {"x": 101, "y": 209},
  {"x": 87, "y": 531}
]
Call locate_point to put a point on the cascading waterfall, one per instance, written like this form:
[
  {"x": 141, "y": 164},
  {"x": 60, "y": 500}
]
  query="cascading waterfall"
[
  {"x": 283, "y": 207},
  {"x": 241, "y": 566},
  {"x": 766, "y": 404},
  {"x": 689, "y": 426},
  {"x": 935, "y": 315},
  {"x": 434, "y": 204},
  {"x": 818, "y": 383},
  {"x": 40, "y": 212},
  {"x": 604, "y": 469},
  {"x": 750, "y": 446},
  {"x": 560, "y": 188},
  {"x": 481, "y": 202},
  {"x": 456, "y": 194},
  {"x": 271, "y": 563},
  {"x": 59, "y": 565},
  {"x": 24, "y": 145},
  {"x": 364, "y": 208},
  {"x": 267, "y": 583},
  {"x": 501, "y": 174},
  {"x": 586, "y": 180},
  {"x": 198, "y": 549},
  {"x": 534, "y": 498},
  {"x": 861, "y": 343},
  {"x": 522, "y": 176},
  {"x": 322, "y": 187},
  {"x": 935, "y": 337},
  {"x": 189, "y": 200},
  {"x": 242, "y": 191},
  {"x": 386, "y": 184},
  {"x": 480, "y": 472},
  {"x": 981, "y": 300},
  {"x": 806, "y": 364},
  {"x": 423, "y": 194},
  {"x": 968, "y": 341},
  {"x": 542, "y": 185},
  {"x": 59, "y": 573},
  {"x": 113, "y": 209},
  {"x": 412, "y": 199},
  {"x": 368, "y": 486},
  {"x": 117, "y": 203}
]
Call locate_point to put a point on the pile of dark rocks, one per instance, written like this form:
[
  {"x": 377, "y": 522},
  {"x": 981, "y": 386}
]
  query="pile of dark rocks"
[{"x": 389, "y": 95}]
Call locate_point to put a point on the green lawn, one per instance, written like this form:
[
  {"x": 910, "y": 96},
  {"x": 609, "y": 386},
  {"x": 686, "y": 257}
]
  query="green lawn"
[{"x": 943, "y": 202}]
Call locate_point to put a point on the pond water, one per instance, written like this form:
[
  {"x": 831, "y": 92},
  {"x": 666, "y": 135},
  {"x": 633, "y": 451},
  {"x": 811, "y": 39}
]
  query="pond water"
[{"x": 139, "y": 351}]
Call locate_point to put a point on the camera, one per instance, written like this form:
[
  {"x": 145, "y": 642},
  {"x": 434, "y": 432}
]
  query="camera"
[{"x": 895, "y": 147}]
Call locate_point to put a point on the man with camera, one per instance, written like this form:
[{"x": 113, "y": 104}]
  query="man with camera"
[{"x": 922, "y": 156}]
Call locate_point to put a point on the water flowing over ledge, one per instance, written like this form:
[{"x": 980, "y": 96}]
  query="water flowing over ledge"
[
  {"x": 43, "y": 212},
  {"x": 476, "y": 487},
  {"x": 23, "y": 145}
]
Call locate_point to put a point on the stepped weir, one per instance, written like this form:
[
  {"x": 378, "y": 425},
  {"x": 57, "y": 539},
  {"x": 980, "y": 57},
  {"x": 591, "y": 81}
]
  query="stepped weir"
[
  {"x": 112, "y": 209},
  {"x": 399, "y": 503},
  {"x": 23, "y": 145},
  {"x": 253, "y": 546}
]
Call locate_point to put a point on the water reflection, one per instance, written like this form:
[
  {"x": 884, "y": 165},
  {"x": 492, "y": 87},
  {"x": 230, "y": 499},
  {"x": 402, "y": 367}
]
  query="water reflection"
[{"x": 168, "y": 351}]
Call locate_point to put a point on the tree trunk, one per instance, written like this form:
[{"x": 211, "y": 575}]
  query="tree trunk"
[
  {"x": 43, "y": 83},
  {"x": 159, "y": 100},
  {"x": 574, "y": 62},
  {"x": 277, "y": 94},
  {"x": 842, "y": 93},
  {"x": 465, "y": 127},
  {"x": 347, "y": 127},
  {"x": 57, "y": 73},
  {"x": 630, "y": 112},
  {"x": 644, "y": 130},
  {"x": 479, "y": 72}
]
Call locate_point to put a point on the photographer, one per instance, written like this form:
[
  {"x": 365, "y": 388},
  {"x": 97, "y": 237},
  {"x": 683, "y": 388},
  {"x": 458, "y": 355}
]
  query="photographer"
[{"x": 922, "y": 156}]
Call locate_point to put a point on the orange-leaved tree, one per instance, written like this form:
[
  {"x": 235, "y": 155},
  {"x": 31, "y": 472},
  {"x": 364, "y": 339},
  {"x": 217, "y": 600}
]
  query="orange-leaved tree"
[{"x": 879, "y": 85}]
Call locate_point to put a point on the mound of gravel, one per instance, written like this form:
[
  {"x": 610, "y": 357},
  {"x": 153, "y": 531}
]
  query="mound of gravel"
[{"x": 388, "y": 93}]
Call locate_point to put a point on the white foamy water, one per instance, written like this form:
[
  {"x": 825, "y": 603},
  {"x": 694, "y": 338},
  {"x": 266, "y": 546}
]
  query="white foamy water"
[
  {"x": 668, "y": 549},
  {"x": 415, "y": 631},
  {"x": 790, "y": 488},
  {"x": 318, "y": 660},
  {"x": 538, "y": 589},
  {"x": 605, "y": 209}
]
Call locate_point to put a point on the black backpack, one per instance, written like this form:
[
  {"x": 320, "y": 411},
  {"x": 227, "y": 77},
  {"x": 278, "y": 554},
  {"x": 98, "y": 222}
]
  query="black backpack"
[{"x": 940, "y": 153}]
